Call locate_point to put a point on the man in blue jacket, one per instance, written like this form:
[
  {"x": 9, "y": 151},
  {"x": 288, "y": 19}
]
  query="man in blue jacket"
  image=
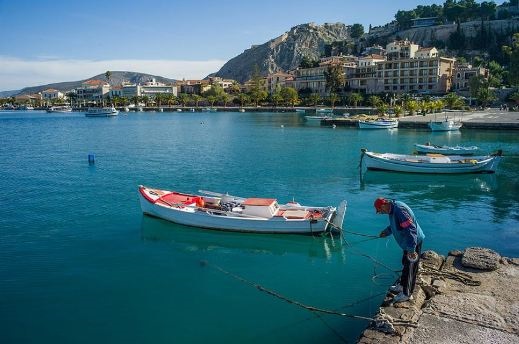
[{"x": 409, "y": 236}]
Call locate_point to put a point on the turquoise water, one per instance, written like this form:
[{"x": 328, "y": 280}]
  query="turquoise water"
[{"x": 79, "y": 262}]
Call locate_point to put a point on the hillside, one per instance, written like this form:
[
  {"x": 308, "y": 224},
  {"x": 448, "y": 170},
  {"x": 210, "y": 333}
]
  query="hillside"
[
  {"x": 116, "y": 78},
  {"x": 284, "y": 52}
]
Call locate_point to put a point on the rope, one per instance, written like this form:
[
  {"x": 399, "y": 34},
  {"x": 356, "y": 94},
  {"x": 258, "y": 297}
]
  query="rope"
[
  {"x": 457, "y": 276},
  {"x": 282, "y": 297}
]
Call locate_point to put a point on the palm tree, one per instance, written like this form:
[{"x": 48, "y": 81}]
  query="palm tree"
[
  {"x": 196, "y": 98},
  {"x": 224, "y": 98},
  {"x": 108, "y": 76},
  {"x": 355, "y": 98},
  {"x": 314, "y": 99},
  {"x": 332, "y": 98},
  {"x": 183, "y": 98},
  {"x": 374, "y": 101}
]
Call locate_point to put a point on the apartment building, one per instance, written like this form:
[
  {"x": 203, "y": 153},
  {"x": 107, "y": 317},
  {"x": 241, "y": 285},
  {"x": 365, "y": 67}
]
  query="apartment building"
[
  {"x": 92, "y": 91},
  {"x": 431, "y": 75},
  {"x": 364, "y": 78}
]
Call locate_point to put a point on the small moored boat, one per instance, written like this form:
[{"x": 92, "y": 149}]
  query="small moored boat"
[
  {"x": 101, "y": 112},
  {"x": 60, "y": 109},
  {"x": 238, "y": 214},
  {"x": 431, "y": 163},
  {"x": 380, "y": 123},
  {"x": 446, "y": 150},
  {"x": 445, "y": 125}
]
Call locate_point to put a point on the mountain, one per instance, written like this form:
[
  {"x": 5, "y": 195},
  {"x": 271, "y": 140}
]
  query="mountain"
[
  {"x": 7, "y": 94},
  {"x": 116, "y": 78},
  {"x": 284, "y": 52}
]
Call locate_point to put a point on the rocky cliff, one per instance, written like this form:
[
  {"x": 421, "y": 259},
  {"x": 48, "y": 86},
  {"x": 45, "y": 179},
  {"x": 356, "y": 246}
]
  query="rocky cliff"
[
  {"x": 284, "y": 52},
  {"x": 428, "y": 36}
]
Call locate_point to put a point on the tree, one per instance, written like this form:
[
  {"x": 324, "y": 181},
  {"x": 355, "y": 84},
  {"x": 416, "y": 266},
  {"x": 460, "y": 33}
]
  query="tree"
[
  {"x": 411, "y": 106},
  {"x": 453, "y": 101},
  {"x": 333, "y": 98},
  {"x": 183, "y": 98},
  {"x": 314, "y": 99},
  {"x": 290, "y": 96},
  {"x": 211, "y": 100},
  {"x": 512, "y": 52},
  {"x": 243, "y": 99},
  {"x": 196, "y": 98},
  {"x": 487, "y": 9},
  {"x": 355, "y": 99},
  {"x": 108, "y": 76},
  {"x": 335, "y": 79},
  {"x": 257, "y": 91},
  {"x": 224, "y": 98},
  {"x": 403, "y": 18},
  {"x": 356, "y": 30},
  {"x": 374, "y": 101},
  {"x": 307, "y": 62},
  {"x": 480, "y": 89}
]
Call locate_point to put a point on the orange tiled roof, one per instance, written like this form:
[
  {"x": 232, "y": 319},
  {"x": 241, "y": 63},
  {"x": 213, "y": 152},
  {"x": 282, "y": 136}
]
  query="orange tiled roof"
[{"x": 95, "y": 83}]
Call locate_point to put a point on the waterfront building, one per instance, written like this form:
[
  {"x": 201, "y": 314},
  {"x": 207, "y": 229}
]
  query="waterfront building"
[
  {"x": 314, "y": 78},
  {"x": 193, "y": 86},
  {"x": 116, "y": 91},
  {"x": 153, "y": 87},
  {"x": 92, "y": 91},
  {"x": 51, "y": 94},
  {"x": 463, "y": 72},
  {"x": 223, "y": 83},
  {"x": 429, "y": 75},
  {"x": 278, "y": 79},
  {"x": 364, "y": 78}
]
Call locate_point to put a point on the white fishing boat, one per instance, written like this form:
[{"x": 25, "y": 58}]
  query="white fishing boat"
[
  {"x": 431, "y": 163},
  {"x": 101, "y": 112},
  {"x": 380, "y": 123},
  {"x": 209, "y": 109},
  {"x": 445, "y": 125},
  {"x": 231, "y": 213},
  {"x": 316, "y": 119},
  {"x": 300, "y": 110},
  {"x": 60, "y": 108},
  {"x": 446, "y": 150},
  {"x": 323, "y": 111}
]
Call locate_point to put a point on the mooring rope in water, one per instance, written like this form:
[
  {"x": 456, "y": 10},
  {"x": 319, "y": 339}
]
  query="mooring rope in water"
[{"x": 282, "y": 297}]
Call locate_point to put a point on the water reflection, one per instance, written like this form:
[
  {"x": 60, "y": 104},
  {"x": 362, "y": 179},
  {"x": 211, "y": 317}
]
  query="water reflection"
[
  {"x": 196, "y": 239},
  {"x": 449, "y": 189}
]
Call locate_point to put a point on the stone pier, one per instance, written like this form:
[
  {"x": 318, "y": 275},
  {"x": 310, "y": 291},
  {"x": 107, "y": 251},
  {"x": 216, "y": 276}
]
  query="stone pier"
[{"x": 470, "y": 296}]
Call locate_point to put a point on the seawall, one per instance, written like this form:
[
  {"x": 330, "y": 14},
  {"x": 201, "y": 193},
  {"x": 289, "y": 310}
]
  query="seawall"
[{"x": 469, "y": 296}]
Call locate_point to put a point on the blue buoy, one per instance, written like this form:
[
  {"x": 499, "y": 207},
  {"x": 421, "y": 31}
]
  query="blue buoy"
[{"x": 91, "y": 158}]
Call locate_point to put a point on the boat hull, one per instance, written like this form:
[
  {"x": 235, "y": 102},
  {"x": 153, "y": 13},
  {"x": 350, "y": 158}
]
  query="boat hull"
[
  {"x": 425, "y": 164},
  {"x": 446, "y": 150},
  {"x": 378, "y": 124},
  {"x": 219, "y": 220},
  {"x": 444, "y": 126}
]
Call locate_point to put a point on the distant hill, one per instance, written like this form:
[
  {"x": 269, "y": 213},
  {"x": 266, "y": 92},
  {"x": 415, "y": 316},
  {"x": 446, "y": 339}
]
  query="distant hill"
[
  {"x": 284, "y": 52},
  {"x": 116, "y": 78},
  {"x": 7, "y": 94}
]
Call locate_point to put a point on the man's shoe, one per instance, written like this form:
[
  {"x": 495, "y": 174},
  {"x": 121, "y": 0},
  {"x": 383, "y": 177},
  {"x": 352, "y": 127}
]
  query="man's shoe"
[
  {"x": 401, "y": 297},
  {"x": 397, "y": 288}
]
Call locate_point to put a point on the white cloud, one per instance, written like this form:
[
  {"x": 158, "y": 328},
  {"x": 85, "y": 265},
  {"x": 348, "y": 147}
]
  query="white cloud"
[{"x": 18, "y": 73}]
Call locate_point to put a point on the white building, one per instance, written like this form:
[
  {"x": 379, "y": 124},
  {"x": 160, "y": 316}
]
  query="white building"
[{"x": 51, "y": 94}]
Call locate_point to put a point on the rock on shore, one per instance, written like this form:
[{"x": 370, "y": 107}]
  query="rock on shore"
[{"x": 466, "y": 297}]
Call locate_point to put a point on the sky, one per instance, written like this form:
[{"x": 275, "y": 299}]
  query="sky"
[{"x": 47, "y": 41}]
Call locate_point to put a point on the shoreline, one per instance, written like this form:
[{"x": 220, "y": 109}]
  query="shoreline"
[{"x": 470, "y": 296}]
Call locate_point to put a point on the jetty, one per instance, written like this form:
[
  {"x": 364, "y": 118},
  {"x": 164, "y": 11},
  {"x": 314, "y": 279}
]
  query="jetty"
[
  {"x": 490, "y": 119},
  {"x": 469, "y": 296}
]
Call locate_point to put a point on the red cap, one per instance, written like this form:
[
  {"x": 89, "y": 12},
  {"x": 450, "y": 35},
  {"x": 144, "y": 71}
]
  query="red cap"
[{"x": 379, "y": 202}]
